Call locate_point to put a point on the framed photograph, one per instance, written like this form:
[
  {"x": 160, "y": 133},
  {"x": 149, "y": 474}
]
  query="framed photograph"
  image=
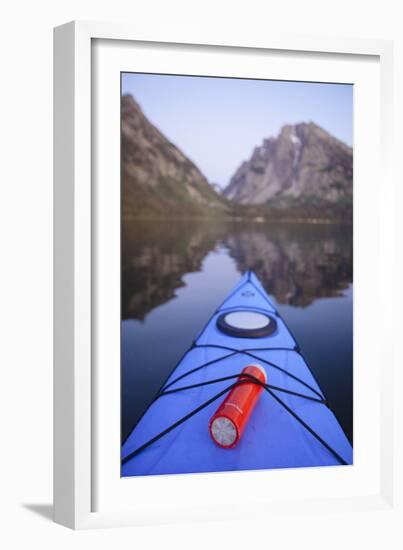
[{"x": 223, "y": 239}]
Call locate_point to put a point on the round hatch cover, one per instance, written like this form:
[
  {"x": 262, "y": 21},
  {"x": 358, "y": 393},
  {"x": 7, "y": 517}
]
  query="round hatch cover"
[{"x": 246, "y": 324}]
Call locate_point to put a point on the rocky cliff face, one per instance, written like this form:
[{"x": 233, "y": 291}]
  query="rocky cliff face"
[
  {"x": 157, "y": 178},
  {"x": 303, "y": 164}
]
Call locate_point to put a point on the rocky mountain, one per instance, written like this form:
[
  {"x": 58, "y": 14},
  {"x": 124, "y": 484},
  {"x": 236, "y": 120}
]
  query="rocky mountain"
[
  {"x": 303, "y": 166},
  {"x": 157, "y": 178}
]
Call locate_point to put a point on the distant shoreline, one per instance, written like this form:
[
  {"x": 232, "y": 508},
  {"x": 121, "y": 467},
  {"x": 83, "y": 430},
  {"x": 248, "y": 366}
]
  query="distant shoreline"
[{"x": 237, "y": 219}]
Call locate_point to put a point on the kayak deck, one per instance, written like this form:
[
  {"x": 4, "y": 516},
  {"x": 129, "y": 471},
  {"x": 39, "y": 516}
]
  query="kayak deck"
[{"x": 291, "y": 426}]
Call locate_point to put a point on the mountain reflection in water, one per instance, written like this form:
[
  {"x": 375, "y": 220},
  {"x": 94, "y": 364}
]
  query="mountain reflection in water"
[{"x": 297, "y": 264}]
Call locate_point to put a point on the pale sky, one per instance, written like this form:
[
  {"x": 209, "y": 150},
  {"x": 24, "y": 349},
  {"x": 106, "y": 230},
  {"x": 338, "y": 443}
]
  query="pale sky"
[{"x": 217, "y": 122}]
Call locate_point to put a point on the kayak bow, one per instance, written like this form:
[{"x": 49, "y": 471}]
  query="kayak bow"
[{"x": 291, "y": 426}]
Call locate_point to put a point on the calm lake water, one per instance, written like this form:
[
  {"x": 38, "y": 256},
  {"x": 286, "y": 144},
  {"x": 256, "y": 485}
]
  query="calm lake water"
[{"x": 175, "y": 274}]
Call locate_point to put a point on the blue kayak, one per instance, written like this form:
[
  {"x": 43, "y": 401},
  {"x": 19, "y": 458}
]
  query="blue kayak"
[{"x": 291, "y": 426}]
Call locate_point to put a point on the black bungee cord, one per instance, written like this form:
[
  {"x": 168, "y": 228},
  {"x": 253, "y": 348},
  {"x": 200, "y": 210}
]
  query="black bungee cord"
[{"x": 242, "y": 378}]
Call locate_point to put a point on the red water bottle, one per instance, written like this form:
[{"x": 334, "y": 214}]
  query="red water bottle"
[{"x": 229, "y": 421}]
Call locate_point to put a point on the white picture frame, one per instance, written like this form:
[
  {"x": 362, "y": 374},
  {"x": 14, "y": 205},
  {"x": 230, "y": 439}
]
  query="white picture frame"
[{"x": 86, "y": 493}]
